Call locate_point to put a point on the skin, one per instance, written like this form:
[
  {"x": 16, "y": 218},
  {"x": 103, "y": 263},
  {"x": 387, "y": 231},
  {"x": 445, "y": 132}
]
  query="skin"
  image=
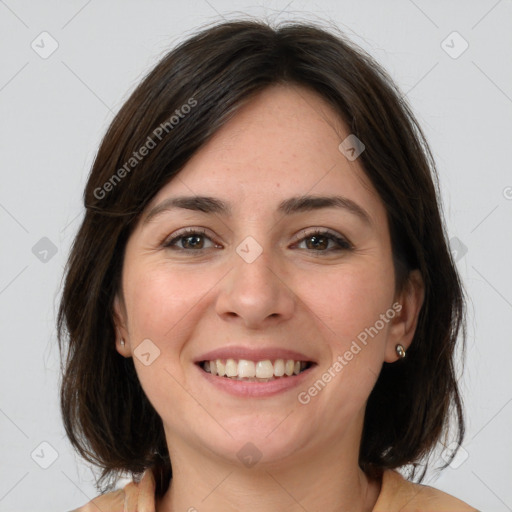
[{"x": 282, "y": 143}]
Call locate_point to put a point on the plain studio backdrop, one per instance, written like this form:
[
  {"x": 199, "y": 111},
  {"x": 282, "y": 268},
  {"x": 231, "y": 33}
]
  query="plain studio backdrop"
[{"x": 66, "y": 69}]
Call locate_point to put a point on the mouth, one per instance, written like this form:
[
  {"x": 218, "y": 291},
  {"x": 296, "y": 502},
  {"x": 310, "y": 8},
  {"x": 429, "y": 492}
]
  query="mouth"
[
  {"x": 255, "y": 372},
  {"x": 266, "y": 370}
]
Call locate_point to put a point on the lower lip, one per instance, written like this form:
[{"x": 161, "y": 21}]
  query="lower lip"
[{"x": 256, "y": 389}]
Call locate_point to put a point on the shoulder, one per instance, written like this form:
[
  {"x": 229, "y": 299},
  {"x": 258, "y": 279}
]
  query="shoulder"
[
  {"x": 133, "y": 496},
  {"x": 109, "y": 502},
  {"x": 399, "y": 494}
]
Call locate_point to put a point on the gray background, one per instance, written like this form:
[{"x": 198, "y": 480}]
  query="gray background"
[{"x": 55, "y": 110}]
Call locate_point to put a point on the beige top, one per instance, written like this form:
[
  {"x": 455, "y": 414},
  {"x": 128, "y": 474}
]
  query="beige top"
[
  {"x": 396, "y": 495},
  {"x": 399, "y": 495}
]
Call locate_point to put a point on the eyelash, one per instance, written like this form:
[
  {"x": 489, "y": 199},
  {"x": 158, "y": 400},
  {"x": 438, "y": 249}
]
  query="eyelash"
[{"x": 343, "y": 244}]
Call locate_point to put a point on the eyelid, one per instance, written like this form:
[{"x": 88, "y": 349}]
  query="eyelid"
[
  {"x": 342, "y": 240},
  {"x": 343, "y": 243},
  {"x": 190, "y": 230}
]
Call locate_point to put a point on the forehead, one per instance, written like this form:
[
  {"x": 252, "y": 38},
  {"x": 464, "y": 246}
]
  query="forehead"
[{"x": 283, "y": 143}]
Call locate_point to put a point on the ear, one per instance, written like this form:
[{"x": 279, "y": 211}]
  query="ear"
[
  {"x": 403, "y": 325},
  {"x": 121, "y": 327}
]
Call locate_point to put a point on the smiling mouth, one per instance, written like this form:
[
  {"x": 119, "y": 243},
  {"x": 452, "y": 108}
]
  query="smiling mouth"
[{"x": 255, "y": 371}]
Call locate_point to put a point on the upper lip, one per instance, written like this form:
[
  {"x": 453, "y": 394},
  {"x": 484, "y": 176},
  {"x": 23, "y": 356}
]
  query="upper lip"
[{"x": 253, "y": 354}]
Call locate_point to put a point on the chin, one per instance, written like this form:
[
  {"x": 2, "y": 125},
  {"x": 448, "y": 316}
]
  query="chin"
[{"x": 259, "y": 440}]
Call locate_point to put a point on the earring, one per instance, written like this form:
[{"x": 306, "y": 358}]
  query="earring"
[
  {"x": 122, "y": 341},
  {"x": 400, "y": 351}
]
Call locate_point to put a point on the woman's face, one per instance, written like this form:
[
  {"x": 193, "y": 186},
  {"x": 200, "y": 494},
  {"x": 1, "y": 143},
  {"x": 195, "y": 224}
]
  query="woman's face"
[{"x": 252, "y": 282}]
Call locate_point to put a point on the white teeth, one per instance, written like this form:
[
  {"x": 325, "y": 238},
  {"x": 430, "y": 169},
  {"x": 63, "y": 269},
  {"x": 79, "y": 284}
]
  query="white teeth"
[
  {"x": 279, "y": 368},
  {"x": 245, "y": 369},
  {"x": 231, "y": 368},
  {"x": 221, "y": 368},
  {"x": 264, "y": 369}
]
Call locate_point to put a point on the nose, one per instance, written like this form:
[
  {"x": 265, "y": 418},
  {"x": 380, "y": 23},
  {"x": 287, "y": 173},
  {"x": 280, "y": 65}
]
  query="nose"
[{"x": 255, "y": 293}]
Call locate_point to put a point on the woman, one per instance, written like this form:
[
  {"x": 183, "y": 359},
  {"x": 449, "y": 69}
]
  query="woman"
[{"x": 261, "y": 306}]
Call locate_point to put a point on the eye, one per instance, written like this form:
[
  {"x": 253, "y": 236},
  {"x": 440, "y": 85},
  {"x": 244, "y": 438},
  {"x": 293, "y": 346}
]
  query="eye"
[
  {"x": 320, "y": 239},
  {"x": 190, "y": 238}
]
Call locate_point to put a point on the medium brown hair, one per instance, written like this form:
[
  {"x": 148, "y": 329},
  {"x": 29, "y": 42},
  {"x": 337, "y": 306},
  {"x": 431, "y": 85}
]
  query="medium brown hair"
[{"x": 106, "y": 414}]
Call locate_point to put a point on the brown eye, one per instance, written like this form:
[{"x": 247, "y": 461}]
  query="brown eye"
[
  {"x": 191, "y": 239},
  {"x": 318, "y": 241}
]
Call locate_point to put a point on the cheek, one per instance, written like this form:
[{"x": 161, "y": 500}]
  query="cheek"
[
  {"x": 349, "y": 308},
  {"x": 163, "y": 306},
  {"x": 161, "y": 301},
  {"x": 348, "y": 301}
]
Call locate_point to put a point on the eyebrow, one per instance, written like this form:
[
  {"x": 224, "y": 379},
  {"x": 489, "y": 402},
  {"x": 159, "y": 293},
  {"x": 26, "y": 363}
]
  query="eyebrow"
[{"x": 299, "y": 204}]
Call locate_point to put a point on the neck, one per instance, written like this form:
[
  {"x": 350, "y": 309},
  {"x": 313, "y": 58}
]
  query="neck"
[{"x": 317, "y": 480}]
